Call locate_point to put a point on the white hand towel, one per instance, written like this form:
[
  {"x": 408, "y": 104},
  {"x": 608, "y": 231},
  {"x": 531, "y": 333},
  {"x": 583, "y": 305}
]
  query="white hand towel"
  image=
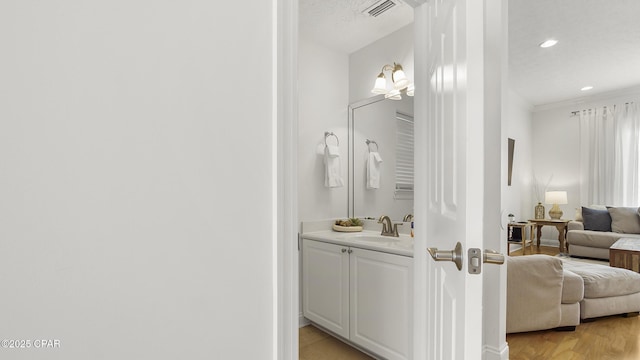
[
  {"x": 373, "y": 170},
  {"x": 332, "y": 176}
]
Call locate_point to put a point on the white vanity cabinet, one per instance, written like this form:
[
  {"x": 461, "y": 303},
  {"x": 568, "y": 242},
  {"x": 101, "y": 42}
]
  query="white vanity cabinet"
[
  {"x": 325, "y": 285},
  {"x": 362, "y": 295}
]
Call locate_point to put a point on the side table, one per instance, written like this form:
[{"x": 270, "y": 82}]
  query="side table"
[
  {"x": 523, "y": 226},
  {"x": 561, "y": 225}
]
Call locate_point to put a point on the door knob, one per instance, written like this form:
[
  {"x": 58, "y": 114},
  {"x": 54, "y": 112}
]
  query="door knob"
[
  {"x": 492, "y": 257},
  {"x": 454, "y": 255}
]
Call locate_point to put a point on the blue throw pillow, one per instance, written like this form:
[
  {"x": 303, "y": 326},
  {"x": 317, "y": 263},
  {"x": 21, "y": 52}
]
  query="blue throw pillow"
[{"x": 597, "y": 220}]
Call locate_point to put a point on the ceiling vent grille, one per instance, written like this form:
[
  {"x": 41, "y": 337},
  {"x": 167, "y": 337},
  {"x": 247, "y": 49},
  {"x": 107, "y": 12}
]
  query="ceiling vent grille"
[{"x": 379, "y": 7}]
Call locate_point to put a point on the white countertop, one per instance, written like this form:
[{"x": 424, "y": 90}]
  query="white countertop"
[{"x": 366, "y": 239}]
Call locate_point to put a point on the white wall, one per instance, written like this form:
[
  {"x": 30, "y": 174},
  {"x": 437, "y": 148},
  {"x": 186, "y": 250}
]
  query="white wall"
[
  {"x": 135, "y": 150},
  {"x": 518, "y": 196},
  {"x": 323, "y": 100},
  {"x": 556, "y": 140},
  {"x": 366, "y": 63}
]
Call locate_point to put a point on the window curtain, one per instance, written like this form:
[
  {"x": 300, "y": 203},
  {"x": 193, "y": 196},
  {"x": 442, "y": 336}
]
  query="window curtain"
[{"x": 610, "y": 155}]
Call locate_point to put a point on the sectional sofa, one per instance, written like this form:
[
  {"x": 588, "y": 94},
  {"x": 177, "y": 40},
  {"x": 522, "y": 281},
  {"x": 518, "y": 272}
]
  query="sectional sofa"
[
  {"x": 541, "y": 294},
  {"x": 548, "y": 292},
  {"x": 599, "y": 228}
]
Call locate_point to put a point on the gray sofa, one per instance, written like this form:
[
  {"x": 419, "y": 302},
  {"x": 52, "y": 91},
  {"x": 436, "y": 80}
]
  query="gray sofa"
[{"x": 622, "y": 222}]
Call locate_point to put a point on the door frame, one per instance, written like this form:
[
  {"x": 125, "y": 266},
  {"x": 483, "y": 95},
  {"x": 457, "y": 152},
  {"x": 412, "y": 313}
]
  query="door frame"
[
  {"x": 286, "y": 292},
  {"x": 285, "y": 219}
]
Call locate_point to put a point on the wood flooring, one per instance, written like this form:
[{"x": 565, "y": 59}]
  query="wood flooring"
[
  {"x": 608, "y": 338},
  {"x": 318, "y": 345}
]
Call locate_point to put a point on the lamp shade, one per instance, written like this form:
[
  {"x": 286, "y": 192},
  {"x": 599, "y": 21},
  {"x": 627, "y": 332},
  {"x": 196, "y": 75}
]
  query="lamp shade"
[
  {"x": 393, "y": 95},
  {"x": 410, "y": 89},
  {"x": 380, "y": 86},
  {"x": 555, "y": 197},
  {"x": 399, "y": 78}
]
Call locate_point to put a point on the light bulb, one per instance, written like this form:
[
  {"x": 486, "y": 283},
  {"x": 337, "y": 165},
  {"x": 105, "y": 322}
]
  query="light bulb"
[{"x": 548, "y": 43}]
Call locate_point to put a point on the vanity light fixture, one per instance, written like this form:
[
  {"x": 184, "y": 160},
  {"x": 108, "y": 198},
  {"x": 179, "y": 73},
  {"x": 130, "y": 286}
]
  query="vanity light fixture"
[
  {"x": 399, "y": 80},
  {"x": 586, "y": 88},
  {"x": 393, "y": 95},
  {"x": 548, "y": 43},
  {"x": 410, "y": 89}
]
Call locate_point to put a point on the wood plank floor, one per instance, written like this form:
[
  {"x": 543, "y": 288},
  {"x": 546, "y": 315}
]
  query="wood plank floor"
[
  {"x": 614, "y": 338},
  {"x": 317, "y": 345}
]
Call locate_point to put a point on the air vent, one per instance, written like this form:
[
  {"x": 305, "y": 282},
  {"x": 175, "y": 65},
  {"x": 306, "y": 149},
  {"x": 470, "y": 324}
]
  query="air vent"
[{"x": 379, "y": 7}]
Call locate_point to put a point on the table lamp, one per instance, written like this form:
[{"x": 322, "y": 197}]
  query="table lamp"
[{"x": 556, "y": 198}]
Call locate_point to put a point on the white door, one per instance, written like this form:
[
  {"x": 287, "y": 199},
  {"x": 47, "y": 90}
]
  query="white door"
[{"x": 450, "y": 196}]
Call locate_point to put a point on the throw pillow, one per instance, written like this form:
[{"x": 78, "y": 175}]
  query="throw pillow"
[
  {"x": 625, "y": 220},
  {"x": 595, "y": 219}
]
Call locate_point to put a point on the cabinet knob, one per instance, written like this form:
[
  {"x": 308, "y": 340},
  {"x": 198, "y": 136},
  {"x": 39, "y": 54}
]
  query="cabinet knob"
[
  {"x": 350, "y": 251},
  {"x": 344, "y": 250}
]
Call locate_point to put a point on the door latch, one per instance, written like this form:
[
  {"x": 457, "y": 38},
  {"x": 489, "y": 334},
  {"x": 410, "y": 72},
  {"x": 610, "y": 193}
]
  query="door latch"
[
  {"x": 477, "y": 258},
  {"x": 475, "y": 261}
]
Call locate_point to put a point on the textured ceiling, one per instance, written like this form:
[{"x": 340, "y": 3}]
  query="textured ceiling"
[
  {"x": 341, "y": 25},
  {"x": 598, "y": 41},
  {"x": 598, "y": 45}
]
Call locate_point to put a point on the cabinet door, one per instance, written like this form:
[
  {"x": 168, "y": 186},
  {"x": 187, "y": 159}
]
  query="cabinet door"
[
  {"x": 325, "y": 285},
  {"x": 381, "y": 303}
]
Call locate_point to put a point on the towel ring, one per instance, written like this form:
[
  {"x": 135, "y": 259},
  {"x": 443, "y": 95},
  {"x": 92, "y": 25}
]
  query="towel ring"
[
  {"x": 327, "y": 134},
  {"x": 369, "y": 142}
]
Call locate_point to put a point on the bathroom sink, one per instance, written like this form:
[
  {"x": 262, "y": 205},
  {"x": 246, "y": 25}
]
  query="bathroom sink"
[
  {"x": 375, "y": 238},
  {"x": 402, "y": 242}
]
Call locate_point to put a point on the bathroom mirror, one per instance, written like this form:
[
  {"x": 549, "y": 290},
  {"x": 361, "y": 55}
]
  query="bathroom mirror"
[{"x": 388, "y": 125}]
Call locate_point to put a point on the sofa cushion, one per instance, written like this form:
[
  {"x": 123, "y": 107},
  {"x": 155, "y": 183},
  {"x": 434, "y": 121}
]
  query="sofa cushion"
[
  {"x": 595, "y": 239},
  {"x": 604, "y": 281},
  {"x": 572, "y": 287},
  {"x": 534, "y": 292},
  {"x": 596, "y": 219},
  {"x": 625, "y": 220}
]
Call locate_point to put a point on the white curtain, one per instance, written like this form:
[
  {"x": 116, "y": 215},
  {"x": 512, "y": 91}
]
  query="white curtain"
[{"x": 610, "y": 155}]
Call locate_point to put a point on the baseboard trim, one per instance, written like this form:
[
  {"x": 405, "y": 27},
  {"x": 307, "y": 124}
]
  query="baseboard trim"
[
  {"x": 491, "y": 353},
  {"x": 303, "y": 321}
]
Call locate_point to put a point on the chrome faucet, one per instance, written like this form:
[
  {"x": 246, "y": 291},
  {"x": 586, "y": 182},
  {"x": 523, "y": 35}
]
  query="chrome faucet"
[{"x": 388, "y": 229}]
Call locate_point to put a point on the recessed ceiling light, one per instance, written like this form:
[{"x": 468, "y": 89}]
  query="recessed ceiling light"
[
  {"x": 548, "y": 43},
  {"x": 586, "y": 88}
]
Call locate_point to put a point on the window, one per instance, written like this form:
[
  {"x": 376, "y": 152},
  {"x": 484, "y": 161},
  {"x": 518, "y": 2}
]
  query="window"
[{"x": 404, "y": 157}]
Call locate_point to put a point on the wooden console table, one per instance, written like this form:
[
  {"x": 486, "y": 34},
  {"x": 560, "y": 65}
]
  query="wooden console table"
[{"x": 561, "y": 225}]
